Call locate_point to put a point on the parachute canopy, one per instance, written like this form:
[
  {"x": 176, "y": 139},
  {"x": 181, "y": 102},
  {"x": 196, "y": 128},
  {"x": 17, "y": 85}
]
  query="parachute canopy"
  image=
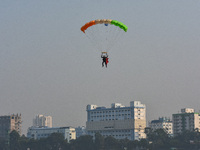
[
  {"x": 103, "y": 33},
  {"x": 106, "y": 22}
]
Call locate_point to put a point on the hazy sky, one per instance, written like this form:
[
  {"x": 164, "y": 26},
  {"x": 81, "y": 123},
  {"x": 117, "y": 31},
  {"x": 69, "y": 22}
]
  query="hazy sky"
[{"x": 48, "y": 66}]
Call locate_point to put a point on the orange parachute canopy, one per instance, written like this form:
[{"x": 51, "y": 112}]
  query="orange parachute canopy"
[{"x": 87, "y": 25}]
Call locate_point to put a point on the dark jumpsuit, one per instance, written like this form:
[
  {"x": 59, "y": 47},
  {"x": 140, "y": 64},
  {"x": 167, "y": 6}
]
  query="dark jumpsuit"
[{"x": 104, "y": 59}]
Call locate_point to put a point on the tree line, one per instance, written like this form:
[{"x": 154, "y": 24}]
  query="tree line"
[{"x": 156, "y": 140}]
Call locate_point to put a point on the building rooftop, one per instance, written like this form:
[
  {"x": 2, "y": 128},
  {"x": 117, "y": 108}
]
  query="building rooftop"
[{"x": 160, "y": 120}]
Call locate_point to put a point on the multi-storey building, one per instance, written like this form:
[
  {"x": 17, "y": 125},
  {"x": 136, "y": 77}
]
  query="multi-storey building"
[
  {"x": 118, "y": 121},
  {"x": 10, "y": 123},
  {"x": 186, "y": 120},
  {"x": 42, "y": 121},
  {"x": 69, "y": 133},
  {"x": 162, "y": 123}
]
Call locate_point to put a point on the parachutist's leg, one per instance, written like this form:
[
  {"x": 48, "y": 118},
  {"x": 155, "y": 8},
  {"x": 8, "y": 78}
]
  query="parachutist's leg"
[
  {"x": 102, "y": 64},
  {"x": 106, "y": 65}
]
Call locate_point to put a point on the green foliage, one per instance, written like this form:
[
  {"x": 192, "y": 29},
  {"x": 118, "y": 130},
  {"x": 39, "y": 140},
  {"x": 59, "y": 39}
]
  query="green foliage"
[
  {"x": 83, "y": 143},
  {"x": 23, "y": 141},
  {"x": 188, "y": 140},
  {"x": 111, "y": 143},
  {"x": 55, "y": 141},
  {"x": 124, "y": 143},
  {"x": 132, "y": 145},
  {"x": 99, "y": 142},
  {"x": 159, "y": 139},
  {"x": 156, "y": 140},
  {"x": 14, "y": 140}
]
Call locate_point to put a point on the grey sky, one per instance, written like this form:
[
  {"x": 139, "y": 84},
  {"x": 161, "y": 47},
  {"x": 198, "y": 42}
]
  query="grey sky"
[{"x": 48, "y": 66}]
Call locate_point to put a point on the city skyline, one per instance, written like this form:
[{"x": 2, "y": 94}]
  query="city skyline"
[
  {"x": 163, "y": 120},
  {"x": 48, "y": 66}
]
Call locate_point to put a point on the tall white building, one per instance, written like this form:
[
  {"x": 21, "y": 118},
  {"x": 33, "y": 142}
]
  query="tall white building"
[
  {"x": 42, "y": 121},
  {"x": 188, "y": 119},
  {"x": 162, "y": 123},
  {"x": 69, "y": 133},
  {"x": 118, "y": 121}
]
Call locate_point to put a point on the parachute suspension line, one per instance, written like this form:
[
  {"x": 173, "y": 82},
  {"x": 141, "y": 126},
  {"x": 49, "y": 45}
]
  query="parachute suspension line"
[
  {"x": 104, "y": 33},
  {"x": 97, "y": 37},
  {"x": 109, "y": 35},
  {"x": 104, "y": 39},
  {"x": 91, "y": 39},
  {"x": 100, "y": 34},
  {"x": 105, "y": 43},
  {"x": 91, "y": 34},
  {"x": 115, "y": 36}
]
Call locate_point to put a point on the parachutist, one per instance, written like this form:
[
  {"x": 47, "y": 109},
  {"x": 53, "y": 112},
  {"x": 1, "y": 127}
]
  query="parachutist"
[
  {"x": 105, "y": 58},
  {"x": 104, "y": 37}
]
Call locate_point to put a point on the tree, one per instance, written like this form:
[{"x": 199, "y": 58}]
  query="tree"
[
  {"x": 159, "y": 139},
  {"x": 23, "y": 141},
  {"x": 83, "y": 143},
  {"x": 187, "y": 139},
  {"x": 131, "y": 145},
  {"x": 44, "y": 144},
  {"x": 143, "y": 143},
  {"x": 124, "y": 143},
  {"x": 33, "y": 144},
  {"x": 14, "y": 140},
  {"x": 111, "y": 143},
  {"x": 55, "y": 141},
  {"x": 66, "y": 145},
  {"x": 99, "y": 142}
]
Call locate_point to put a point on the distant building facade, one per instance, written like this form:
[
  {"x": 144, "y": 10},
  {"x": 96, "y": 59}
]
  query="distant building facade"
[
  {"x": 162, "y": 123},
  {"x": 69, "y": 133},
  {"x": 188, "y": 119},
  {"x": 118, "y": 121},
  {"x": 42, "y": 121},
  {"x": 80, "y": 131},
  {"x": 10, "y": 123}
]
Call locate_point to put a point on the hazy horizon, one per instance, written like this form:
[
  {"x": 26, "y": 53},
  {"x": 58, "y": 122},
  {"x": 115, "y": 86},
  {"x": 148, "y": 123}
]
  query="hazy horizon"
[{"x": 49, "y": 67}]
